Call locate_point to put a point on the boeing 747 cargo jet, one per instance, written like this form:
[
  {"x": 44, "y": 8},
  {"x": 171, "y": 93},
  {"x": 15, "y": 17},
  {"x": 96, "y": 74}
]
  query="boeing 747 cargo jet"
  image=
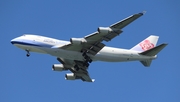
[{"x": 76, "y": 55}]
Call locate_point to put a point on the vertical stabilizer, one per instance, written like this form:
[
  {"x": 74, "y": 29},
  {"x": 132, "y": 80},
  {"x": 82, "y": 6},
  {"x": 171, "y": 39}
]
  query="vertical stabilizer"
[{"x": 148, "y": 43}]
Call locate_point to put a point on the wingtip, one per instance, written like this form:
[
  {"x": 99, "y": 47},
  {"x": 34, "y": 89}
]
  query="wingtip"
[
  {"x": 165, "y": 44},
  {"x": 143, "y": 12}
]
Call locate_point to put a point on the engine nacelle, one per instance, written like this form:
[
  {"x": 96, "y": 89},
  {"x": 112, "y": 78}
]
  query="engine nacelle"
[
  {"x": 105, "y": 30},
  {"x": 58, "y": 67},
  {"x": 78, "y": 41},
  {"x": 70, "y": 76}
]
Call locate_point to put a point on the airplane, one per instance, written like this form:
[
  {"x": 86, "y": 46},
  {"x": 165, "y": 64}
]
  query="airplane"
[{"x": 77, "y": 54}]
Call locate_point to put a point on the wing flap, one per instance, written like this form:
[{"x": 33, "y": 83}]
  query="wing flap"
[
  {"x": 95, "y": 48},
  {"x": 109, "y": 37},
  {"x": 87, "y": 78},
  {"x": 65, "y": 61}
]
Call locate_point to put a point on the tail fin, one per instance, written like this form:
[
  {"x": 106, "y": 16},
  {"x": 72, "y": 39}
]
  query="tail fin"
[
  {"x": 148, "y": 43},
  {"x": 152, "y": 52}
]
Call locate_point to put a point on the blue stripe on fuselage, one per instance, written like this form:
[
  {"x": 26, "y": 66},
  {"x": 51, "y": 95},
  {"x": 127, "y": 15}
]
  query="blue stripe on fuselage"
[{"x": 30, "y": 43}]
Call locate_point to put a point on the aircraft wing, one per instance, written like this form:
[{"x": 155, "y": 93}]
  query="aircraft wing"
[
  {"x": 92, "y": 43},
  {"x": 81, "y": 73},
  {"x": 121, "y": 24}
]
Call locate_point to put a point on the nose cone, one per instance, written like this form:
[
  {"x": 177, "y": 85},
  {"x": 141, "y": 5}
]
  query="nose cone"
[
  {"x": 16, "y": 40},
  {"x": 13, "y": 41}
]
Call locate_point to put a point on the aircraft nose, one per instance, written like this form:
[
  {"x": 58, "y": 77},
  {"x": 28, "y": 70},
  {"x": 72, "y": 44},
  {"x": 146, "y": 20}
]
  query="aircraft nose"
[
  {"x": 15, "y": 40},
  {"x": 12, "y": 41}
]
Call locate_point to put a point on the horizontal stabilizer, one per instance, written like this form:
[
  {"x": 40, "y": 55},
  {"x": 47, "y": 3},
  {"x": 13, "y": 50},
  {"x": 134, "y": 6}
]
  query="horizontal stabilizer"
[
  {"x": 154, "y": 51},
  {"x": 146, "y": 63}
]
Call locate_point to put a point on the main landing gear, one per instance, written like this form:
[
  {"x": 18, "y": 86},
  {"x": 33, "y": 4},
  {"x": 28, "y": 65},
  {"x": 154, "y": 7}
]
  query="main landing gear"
[
  {"x": 76, "y": 67},
  {"x": 85, "y": 63},
  {"x": 88, "y": 59},
  {"x": 28, "y": 54}
]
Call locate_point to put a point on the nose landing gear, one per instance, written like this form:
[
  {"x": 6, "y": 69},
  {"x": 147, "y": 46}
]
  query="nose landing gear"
[{"x": 28, "y": 54}]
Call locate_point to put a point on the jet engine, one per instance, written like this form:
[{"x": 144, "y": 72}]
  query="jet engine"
[
  {"x": 105, "y": 30},
  {"x": 58, "y": 67},
  {"x": 78, "y": 41},
  {"x": 70, "y": 76}
]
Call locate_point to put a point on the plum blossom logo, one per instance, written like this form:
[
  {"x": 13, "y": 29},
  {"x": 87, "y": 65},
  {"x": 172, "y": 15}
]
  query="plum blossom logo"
[{"x": 146, "y": 45}]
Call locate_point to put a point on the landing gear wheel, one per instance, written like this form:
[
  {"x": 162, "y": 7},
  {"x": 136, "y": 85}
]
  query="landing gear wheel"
[
  {"x": 28, "y": 54},
  {"x": 84, "y": 54},
  {"x": 90, "y": 60},
  {"x": 86, "y": 64},
  {"x": 76, "y": 68}
]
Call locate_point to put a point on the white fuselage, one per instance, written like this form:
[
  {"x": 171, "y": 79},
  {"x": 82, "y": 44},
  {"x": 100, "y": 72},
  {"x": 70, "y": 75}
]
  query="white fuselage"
[{"x": 40, "y": 44}]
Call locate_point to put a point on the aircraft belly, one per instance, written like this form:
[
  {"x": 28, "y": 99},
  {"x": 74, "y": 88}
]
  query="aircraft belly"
[
  {"x": 119, "y": 55},
  {"x": 53, "y": 51},
  {"x": 110, "y": 57},
  {"x": 120, "y": 58},
  {"x": 72, "y": 55},
  {"x": 31, "y": 48}
]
